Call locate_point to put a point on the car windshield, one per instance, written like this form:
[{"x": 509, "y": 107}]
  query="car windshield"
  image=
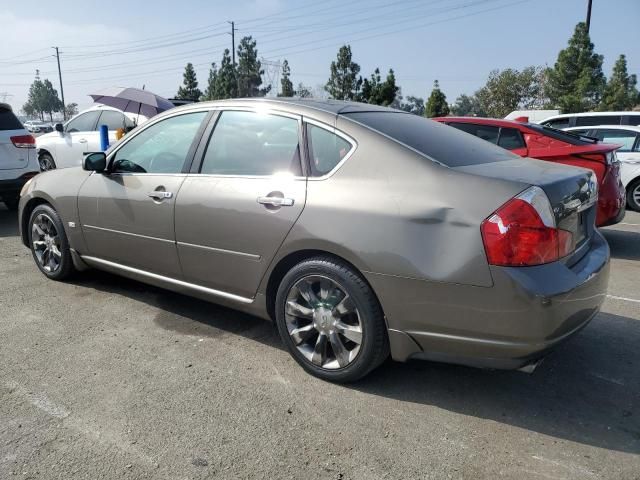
[
  {"x": 573, "y": 138},
  {"x": 432, "y": 139}
]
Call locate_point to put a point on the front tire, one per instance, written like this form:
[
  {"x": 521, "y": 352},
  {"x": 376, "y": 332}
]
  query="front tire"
[
  {"x": 49, "y": 244},
  {"x": 46, "y": 162},
  {"x": 633, "y": 195},
  {"x": 330, "y": 320}
]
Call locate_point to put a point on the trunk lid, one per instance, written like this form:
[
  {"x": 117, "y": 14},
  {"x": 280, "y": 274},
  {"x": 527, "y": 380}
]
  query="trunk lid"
[{"x": 572, "y": 191}]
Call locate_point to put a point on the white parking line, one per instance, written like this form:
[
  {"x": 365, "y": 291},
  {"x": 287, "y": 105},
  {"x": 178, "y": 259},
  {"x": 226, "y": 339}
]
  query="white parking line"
[{"x": 623, "y": 298}]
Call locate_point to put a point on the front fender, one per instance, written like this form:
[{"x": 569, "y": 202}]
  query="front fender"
[{"x": 58, "y": 188}]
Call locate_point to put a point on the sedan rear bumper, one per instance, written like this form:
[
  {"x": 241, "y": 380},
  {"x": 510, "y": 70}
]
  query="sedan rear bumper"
[{"x": 527, "y": 312}]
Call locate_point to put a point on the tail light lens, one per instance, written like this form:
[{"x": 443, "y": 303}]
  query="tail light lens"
[
  {"x": 523, "y": 232},
  {"x": 23, "y": 141}
]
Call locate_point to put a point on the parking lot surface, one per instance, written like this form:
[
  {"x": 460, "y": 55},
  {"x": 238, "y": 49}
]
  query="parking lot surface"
[{"x": 104, "y": 377}]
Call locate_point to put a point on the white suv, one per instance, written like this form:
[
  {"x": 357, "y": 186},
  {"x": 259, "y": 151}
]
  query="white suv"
[
  {"x": 65, "y": 146},
  {"x": 18, "y": 162}
]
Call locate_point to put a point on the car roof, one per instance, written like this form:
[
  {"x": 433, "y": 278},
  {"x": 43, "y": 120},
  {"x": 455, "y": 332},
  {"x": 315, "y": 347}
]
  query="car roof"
[
  {"x": 496, "y": 122},
  {"x": 294, "y": 105},
  {"x": 608, "y": 127}
]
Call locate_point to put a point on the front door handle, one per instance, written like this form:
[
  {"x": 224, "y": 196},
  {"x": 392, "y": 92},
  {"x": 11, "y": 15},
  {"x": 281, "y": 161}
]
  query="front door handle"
[
  {"x": 160, "y": 195},
  {"x": 276, "y": 201},
  {"x": 82, "y": 140}
]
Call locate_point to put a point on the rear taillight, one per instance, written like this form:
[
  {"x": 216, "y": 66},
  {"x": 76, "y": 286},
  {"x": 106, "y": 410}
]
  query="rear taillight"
[
  {"x": 523, "y": 232},
  {"x": 23, "y": 141}
]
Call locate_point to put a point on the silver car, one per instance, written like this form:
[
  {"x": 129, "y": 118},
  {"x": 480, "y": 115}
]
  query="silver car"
[{"x": 360, "y": 230}]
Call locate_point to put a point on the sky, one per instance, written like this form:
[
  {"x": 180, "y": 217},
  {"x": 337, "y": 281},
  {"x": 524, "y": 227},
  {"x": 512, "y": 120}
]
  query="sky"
[{"x": 458, "y": 42}]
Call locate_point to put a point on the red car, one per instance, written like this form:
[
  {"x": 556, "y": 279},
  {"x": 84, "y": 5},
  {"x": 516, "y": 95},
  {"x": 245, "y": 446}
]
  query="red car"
[{"x": 545, "y": 143}]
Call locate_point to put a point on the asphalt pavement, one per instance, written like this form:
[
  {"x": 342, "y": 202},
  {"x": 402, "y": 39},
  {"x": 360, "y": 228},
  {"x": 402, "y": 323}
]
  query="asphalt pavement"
[{"x": 105, "y": 377}]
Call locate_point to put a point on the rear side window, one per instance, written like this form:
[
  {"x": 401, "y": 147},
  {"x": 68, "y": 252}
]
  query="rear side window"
[
  {"x": 326, "y": 150},
  {"x": 633, "y": 120},
  {"x": 511, "y": 139},
  {"x": 8, "y": 121},
  {"x": 113, "y": 120},
  {"x": 589, "y": 121},
  {"x": 620, "y": 137},
  {"x": 85, "y": 122},
  {"x": 249, "y": 143},
  {"x": 446, "y": 145},
  {"x": 485, "y": 132}
]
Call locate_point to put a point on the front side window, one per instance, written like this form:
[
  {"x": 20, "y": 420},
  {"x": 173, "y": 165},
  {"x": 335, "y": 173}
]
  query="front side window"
[
  {"x": 592, "y": 120},
  {"x": 621, "y": 137},
  {"x": 85, "y": 122},
  {"x": 558, "y": 123},
  {"x": 250, "y": 143},
  {"x": 161, "y": 148},
  {"x": 326, "y": 150},
  {"x": 113, "y": 120},
  {"x": 485, "y": 132}
]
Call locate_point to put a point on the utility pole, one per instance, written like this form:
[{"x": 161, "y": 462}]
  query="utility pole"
[
  {"x": 233, "y": 42},
  {"x": 64, "y": 105},
  {"x": 588, "y": 15}
]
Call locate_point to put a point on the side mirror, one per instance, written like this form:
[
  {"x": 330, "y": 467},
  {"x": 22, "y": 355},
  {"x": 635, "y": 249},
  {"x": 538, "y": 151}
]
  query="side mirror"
[
  {"x": 58, "y": 127},
  {"x": 95, "y": 162}
]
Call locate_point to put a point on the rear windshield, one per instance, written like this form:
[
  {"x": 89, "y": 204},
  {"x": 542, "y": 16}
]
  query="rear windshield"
[
  {"x": 572, "y": 138},
  {"x": 440, "y": 142},
  {"x": 8, "y": 120}
]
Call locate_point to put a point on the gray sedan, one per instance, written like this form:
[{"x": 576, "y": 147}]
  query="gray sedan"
[{"x": 360, "y": 230}]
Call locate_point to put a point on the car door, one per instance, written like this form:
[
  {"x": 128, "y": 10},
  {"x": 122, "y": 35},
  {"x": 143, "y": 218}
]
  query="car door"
[
  {"x": 127, "y": 214},
  {"x": 71, "y": 145},
  {"x": 236, "y": 208},
  {"x": 628, "y": 154}
]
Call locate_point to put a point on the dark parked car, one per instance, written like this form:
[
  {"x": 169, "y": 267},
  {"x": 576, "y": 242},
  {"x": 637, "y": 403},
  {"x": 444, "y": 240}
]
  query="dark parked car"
[{"x": 360, "y": 230}]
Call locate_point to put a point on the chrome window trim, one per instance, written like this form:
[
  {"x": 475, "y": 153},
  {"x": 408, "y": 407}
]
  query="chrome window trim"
[
  {"x": 339, "y": 133},
  {"x": 252, "y": 256},
  {"x": 120, "y": 232},
  {"x": 181, "y": 283},
  {"x": 248, "y": 177}
]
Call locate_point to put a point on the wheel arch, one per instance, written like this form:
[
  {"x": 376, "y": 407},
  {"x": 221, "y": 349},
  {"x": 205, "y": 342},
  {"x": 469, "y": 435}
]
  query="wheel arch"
[{"x": 287, "y": 262}]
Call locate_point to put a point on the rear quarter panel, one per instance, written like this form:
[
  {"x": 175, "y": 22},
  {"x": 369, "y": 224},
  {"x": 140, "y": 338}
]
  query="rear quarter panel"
[{"x": 391, "y": 211}]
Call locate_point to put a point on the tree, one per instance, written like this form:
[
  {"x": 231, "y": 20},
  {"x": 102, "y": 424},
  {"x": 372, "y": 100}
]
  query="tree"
[
  {"x": 413, "y": 105},
  {"x": 468, "y": 105},
  {"x": 43, "y": 98},
  {"x": 189, "y": 89},
  {"x": 249, "y": 71},
  {"x": 303, "y": 91},
  {"x": 576, "y": 82},
  {"x": 211, "y": 92},
  {"x": 286, "y": 87},
  {"x": 71, "y": 110},
  {"x": 621, "y": 92},
  {"x": 510, "y": 89},
  {"x": 437, "y": 103},
  {"x": 344, "y": 83},
  {"x": 376, "y": 92},
  {"x": 226, "y": 86}
]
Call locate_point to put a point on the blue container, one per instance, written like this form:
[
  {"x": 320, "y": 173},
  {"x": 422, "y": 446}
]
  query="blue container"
[{"x": 104, "y": 137}]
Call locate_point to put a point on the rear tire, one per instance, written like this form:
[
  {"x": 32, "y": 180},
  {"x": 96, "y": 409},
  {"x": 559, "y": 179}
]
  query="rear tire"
[
  {"x": 49, "y": 244},
  {"x": 330, "y": 320},
  {"x": 46, "y": 162},
  {"x": 633, "y": 195}
]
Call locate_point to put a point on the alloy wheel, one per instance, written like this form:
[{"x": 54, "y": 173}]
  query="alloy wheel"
[
  {"x": 323, "y": 322},
  {"x": 46, "y": 163},
  {"x": 635, "y": 195},
  {"x": 46, "y": 243}
]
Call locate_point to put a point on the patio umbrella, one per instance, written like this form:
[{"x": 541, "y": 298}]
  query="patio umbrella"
[{"x": 132, "y": 100}]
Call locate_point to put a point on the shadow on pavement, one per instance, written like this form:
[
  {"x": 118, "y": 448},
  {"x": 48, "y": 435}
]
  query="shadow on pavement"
[
  {"x": 587, "y": 391},
  {"x": 624, "y": 244},
  {"x": 8, "y": 222}
]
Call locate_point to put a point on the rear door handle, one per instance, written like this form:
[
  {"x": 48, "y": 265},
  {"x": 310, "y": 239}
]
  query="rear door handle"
[
  {"x": 160, "y": 195},
  {"x": 276, "y": 201},
  {"x": 82, "y": 140}
]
